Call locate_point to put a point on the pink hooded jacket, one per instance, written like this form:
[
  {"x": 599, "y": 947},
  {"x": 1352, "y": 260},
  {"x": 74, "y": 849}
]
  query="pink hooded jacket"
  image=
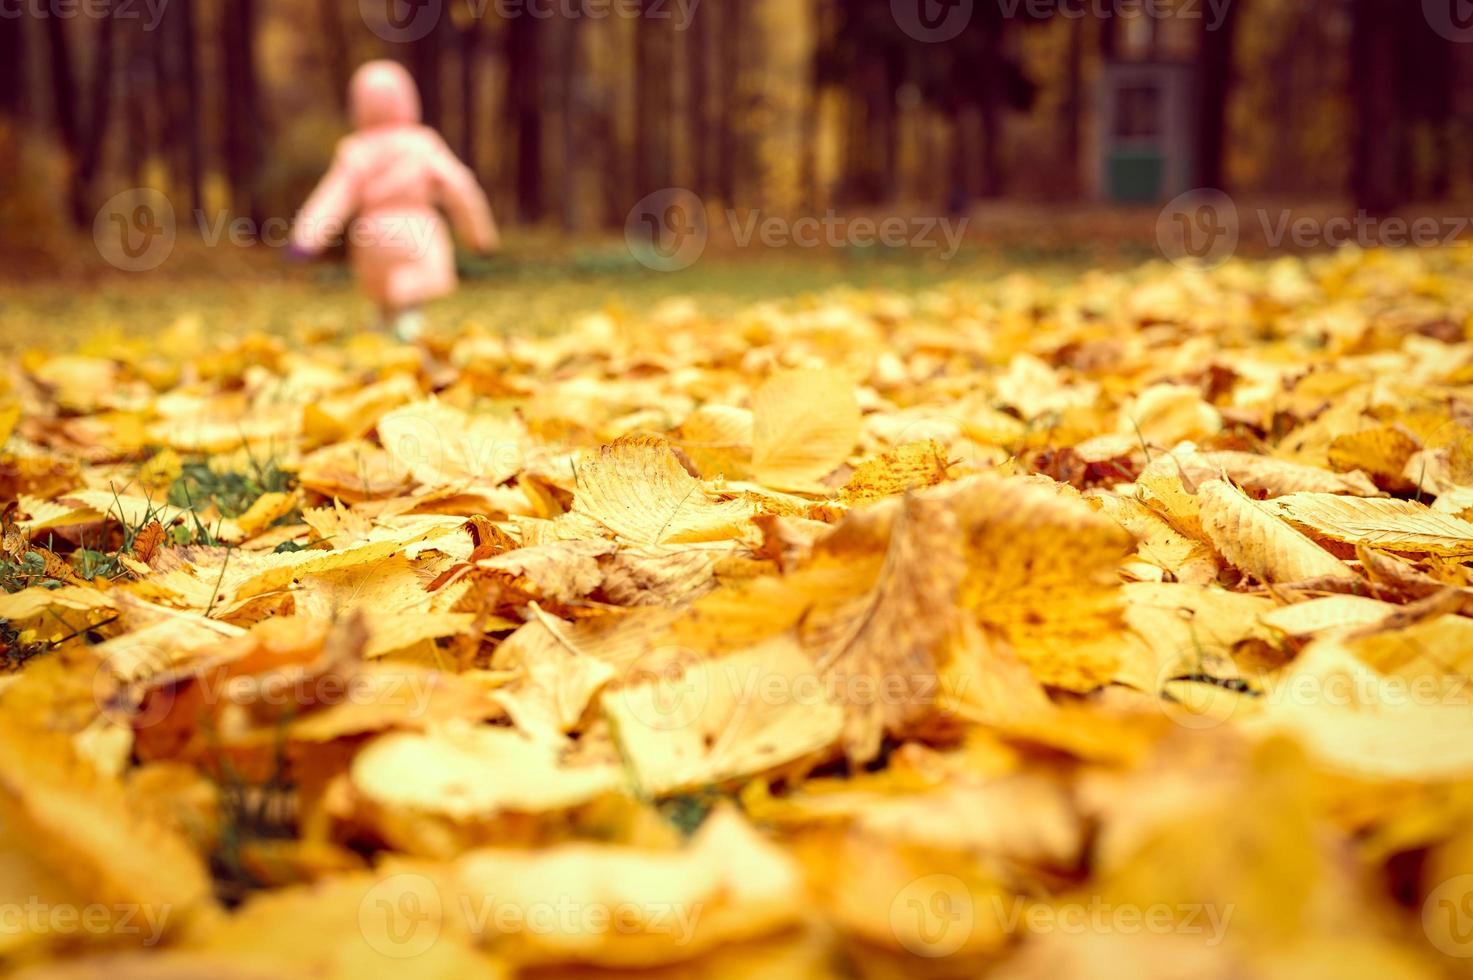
[{"x": 391, "y": 175}]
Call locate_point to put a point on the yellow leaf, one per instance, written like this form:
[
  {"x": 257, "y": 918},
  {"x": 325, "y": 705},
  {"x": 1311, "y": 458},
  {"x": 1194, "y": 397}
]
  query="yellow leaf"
[
  {"x": 638, "y": 490},
  {"x": 1382, "y": 522},
  {"x": 1253, "y": 538},
  {"x": 804, "y": 424}
]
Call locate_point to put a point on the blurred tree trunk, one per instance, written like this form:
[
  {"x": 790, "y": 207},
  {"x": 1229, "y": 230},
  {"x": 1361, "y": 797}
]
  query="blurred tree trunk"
[
  {"x": 470, "y": 50},
  {"x": 1373, "y": 103},
  {"x": 240, "y": 105},
  {"x": 989, "y": 177},
  {"x": 524, "y": 111},
  {"x": 138, "y": 96},
  {"x": 335, "y": 50},
  {"x": 825, "y": 28},
  {"x": 425, "y": 57},
  {"x": 189, "y": 83},
  {"x": 571, "y": 112},
  {"x": 83, "y": 141},
  {"x": 730, "y": 88},
  {"x": 654, "y": 92},
  {"x": 1215, "y": 55},
  {"x": 698, "y": 119},
  {"x": 13, "y": 87},
  {"x": 1071, "y": 112}
]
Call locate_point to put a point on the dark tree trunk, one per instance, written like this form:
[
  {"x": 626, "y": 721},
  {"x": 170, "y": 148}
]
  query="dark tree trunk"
[
  {"x": 1072, "y": 111},
  {"x": 335, "y": 48},
  {"x": 1373, "y": 102},
  {"x": 698, "y": 119},
  {"x": 424, "y": 65},
  {"x": 653, "y": 92},
  {"x": 1215, "y": 55},
  {"x": 65, "y": 110},
  {"x": 470, "y": 47},
  {"x": 524, "y": 108},
  {"x": 13, "y": 87},
  {"x": 989, "y": 176},
  {"x": 138, "y": 95},
  {"x": 193, "y": 136},
  {"x": 733, "y": 24},
  {"x": 242, "y": 123},
  {"x": 84, "y": 141},
  {"x": 570, "y": 114}
]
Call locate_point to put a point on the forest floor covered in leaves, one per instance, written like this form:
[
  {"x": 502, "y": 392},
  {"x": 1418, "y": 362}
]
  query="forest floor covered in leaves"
[{"x": 1090, "y": 623}]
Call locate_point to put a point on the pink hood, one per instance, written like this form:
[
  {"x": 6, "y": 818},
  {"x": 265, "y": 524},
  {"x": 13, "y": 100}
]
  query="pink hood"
[{"x": 382, "y": 93}]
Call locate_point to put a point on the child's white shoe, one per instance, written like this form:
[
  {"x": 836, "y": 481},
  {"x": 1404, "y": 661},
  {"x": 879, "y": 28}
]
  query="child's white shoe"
[{"x": 409, "y": 326}]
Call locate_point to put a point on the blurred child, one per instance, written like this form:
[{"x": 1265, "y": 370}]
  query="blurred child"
[{"x": 389, "y": 177}]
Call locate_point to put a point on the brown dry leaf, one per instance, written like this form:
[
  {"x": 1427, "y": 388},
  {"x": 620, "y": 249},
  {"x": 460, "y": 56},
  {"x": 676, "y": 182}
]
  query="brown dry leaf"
[
  {"x": 1261, "y": 475},
  {"x": 353, "y": 471},
  {"x": 268, "y": 508},
  {"x": 913, "y": 466},
  {"x": 881, "y": 652},
  {"x": 442, "y": 446},
  {"x": 683, "y": 726},
  {"x": 1252, "y": 537},
  {"x": 1063, "y": 617},
  {"x": 718, "y": 440},
  {"x": 554, "y": 685},
  {"x": 631, "y": 908},
  {"x": 1382, "y": 452},
  {"x": 1359, "y": 722},
  {"x": 9, "y": 417},
  {"x": 351, "y": 927},
  {"x": 1335, "y": 612},
  {"x": 78, "y": 824},
  {"x": 1158, "y": 542},
  {"x": 638, "y": 491},
  {"x": 52, "y": 614},
  {"x": 1383, "y": 522},
  {"x": 417, "y": 788},
  {"x": 804, "y": 424},
  {"x": 1166, "y": 414}
]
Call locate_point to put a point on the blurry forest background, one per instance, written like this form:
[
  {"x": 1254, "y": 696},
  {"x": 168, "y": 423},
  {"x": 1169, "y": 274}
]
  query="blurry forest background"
[{"x": 791, "y": 106}]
